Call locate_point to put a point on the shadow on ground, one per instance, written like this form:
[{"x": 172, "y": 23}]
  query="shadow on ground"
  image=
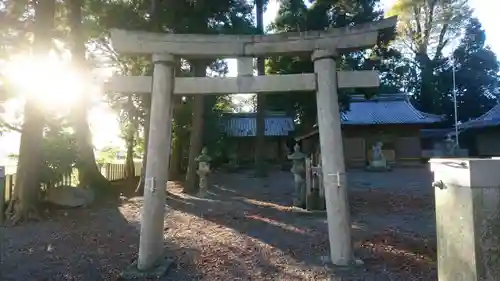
[
  {"x": 258, "y": 210},
  {"x": 85, "y": 244}
]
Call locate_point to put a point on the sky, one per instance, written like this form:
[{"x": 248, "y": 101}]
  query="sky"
[{"x": 103, "y": 121}]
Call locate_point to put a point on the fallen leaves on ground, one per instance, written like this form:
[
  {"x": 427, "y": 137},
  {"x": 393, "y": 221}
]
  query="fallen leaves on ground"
[
  {"x": 383, "y": 201},
  {"x": 218, "y": 238},
  {"x": 404, "y": 251}
]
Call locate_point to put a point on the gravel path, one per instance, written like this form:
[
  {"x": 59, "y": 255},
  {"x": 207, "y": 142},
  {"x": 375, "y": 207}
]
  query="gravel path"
[{"x": 243, "y": 230}]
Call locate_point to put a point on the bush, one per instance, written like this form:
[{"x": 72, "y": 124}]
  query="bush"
[{"x": 59, "y": 155}]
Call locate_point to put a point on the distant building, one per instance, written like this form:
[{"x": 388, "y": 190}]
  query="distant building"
[
  {"x": 483, "y": 133},
  {"x": 241, "y": 130},
  {"x": 390, "y": 118}
]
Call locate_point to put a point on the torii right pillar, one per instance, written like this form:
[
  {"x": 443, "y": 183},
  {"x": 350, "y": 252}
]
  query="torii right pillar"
[{"x": 332, "y": 158}]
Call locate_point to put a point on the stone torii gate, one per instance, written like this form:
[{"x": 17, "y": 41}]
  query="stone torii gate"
[{"x": 325, "y": 47}]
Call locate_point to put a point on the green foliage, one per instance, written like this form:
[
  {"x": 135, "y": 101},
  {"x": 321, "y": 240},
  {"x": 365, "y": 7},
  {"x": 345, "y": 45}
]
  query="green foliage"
[
  {"x": 222, "y": 16},
  {"x": 425, "y": 29},
  {"x": 295, "y": 15},
  {"x": 108, "y": 155},
  {"x": 476, "y": 71},
  {"x": 59, "y": 153},
  {"x": 214, "y": 137}
]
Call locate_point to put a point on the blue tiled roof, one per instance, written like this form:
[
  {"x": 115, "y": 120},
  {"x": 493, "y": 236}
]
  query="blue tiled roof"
[
  {"x": 489, "y": 119},
  {"x": 244, "y": 125},
  {"x": 385, "y": 109},
  {"x": 382, "y": 110}
]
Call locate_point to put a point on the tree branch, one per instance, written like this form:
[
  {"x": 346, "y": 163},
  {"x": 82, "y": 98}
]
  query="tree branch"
[
  {"x": 10, "y": 127},
  {"x": 441, "y": 42},
  {"x": 429, "y": 21}
]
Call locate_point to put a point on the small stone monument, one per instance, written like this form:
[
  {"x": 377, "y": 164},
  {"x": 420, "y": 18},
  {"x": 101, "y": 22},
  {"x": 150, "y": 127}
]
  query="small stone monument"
[
  {"x": 203, "y": 170},
  {"x": 70, "y": 196},
  {"x": 378, "y": 161},
  {"x": 233, "y": 162},
  {"x": 298, "y": 170}
]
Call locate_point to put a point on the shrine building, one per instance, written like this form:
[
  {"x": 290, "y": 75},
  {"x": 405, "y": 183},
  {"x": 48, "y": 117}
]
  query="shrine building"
[
  {"x": 481, "y": 135},
  {"x": 389, "y": 118}
]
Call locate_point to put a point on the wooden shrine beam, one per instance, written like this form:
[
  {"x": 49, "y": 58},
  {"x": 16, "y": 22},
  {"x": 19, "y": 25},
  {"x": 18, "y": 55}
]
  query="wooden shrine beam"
[
  {"x": 224, "y": 46},
  {"x": 242, "y": 84}
]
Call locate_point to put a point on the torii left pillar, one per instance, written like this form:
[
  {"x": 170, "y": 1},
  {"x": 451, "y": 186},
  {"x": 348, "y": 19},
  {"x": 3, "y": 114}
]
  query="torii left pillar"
[{"x": 151, "y": 260}]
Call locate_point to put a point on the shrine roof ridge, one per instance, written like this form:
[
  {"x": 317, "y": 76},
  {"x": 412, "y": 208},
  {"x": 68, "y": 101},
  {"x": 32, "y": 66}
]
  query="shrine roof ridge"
[
  {"x": 380, "y": 97},
  {"x": 489, "y": 119},
  {"x": 267, "y": 114}
]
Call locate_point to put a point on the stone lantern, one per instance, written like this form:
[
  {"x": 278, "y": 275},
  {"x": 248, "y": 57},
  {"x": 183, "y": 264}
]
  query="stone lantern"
[
  {"x": 449, "y": 146},
  {"x": 203, "y": 170},
  {"x": 298, "y": 170}
]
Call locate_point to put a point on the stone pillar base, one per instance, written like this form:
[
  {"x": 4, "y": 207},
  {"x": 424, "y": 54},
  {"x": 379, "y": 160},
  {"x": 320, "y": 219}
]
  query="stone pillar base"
[{"x": 158, "y": 270}]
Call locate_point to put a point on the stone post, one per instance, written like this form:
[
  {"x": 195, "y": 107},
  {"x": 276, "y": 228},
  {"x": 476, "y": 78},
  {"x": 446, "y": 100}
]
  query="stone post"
[
  {"x": 2, "y": 193},
  {"x": 298, "y": 169},
  {"x": 467, "y": 198},
  {"x": 203, "y": 170},
  {"x": 332, "y": 158},
  {"x": 152, "y": 219}
]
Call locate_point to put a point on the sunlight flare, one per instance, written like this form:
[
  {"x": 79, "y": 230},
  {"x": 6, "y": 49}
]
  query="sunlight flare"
[{"x": 50, "y": 81}]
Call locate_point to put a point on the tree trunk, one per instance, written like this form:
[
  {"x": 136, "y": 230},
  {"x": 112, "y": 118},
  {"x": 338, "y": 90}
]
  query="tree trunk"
[
  {"x": 140, "y": 186},
  {"x": 88, "y": 171},
  {"x": 196, "y": 134},
  {"x": 24, "y": 203},
  {"x": 260, "y": 165},
  {"x": 130, "y": 140},
  {"x": 428, "y": 93},
  {"x": 129, "y": 161},
  {"x": 176, "y": 153}
]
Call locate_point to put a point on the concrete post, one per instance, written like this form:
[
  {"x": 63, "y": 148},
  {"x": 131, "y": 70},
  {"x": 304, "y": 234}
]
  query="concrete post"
[
  {"x": 245, "y": 66},
  {"x": 467, "y": 198},
  {"x": 152, "y": 220},
  {"x": 332, "y": 158}
]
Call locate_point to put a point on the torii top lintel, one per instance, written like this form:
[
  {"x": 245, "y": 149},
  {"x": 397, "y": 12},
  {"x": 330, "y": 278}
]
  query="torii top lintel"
[{"x": 229, "y": 46}]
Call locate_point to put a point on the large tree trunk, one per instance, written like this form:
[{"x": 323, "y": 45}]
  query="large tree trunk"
[
  {"x": 428, "y": 94},
  {"x": 260, "y": 165},
  {"x": 196, "y": 134},
  {"x": 88, "y": 171},
  {"x": 24, "y": 203}
]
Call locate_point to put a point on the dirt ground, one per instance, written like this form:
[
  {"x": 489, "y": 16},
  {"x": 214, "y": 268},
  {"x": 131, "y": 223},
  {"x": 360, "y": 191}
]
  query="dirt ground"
[{"x": 243, "y": 230}]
